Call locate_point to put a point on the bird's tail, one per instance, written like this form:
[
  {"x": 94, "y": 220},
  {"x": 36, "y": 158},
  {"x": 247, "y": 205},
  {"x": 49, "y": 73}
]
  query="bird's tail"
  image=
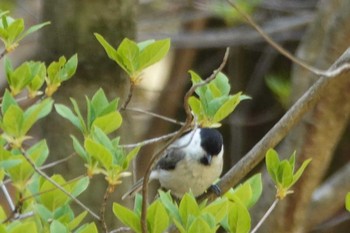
[{"x": 134, "y": 189}]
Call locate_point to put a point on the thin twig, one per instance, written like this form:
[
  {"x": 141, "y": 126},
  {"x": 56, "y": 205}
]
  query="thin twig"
[
  {"x": 103, "y": 209},
  {"x": 150, "y": 141},
  {"x": 155, "y": 115},
  {"x": 43, "y": 174},
  {"x": 187, "y": 125},
  {"x": 263, "y": 219},
  {"x": 3, "y": 53},
  {"x": 128, "y": 98},
  {"x": 269, "y": 40},
  {"x": 122, "y": 230},
  {"x": 8, "y": 196},
  {"x": 55, "y": 163}
]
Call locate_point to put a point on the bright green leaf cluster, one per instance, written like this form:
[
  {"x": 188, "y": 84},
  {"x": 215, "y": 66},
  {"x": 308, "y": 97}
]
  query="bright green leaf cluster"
[
  {"x": 229, "y": 212},
  {"x": 214, "y": 102},
  {"x": 283, "y": 172},
  {"x": 101, "y": 154},
  {"x": 60, "y": 71},
  {"x": 100, "y": 113},
  {"x": 52, "y": 206},
  {"x": 157, "y": 217},
  {"x": 17, "y": 168},
  {"x": 134, "y": 57},
  {"x": 16, "y": 122},
  {"x": 347, "y": 202},
  {"x": 12, "y": 31},
  {"x": 248, "y": 193},
  {"x": 32, "y": 75}
]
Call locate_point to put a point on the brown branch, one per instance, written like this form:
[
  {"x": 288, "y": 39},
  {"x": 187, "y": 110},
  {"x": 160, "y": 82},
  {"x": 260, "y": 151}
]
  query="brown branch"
[
  {"x": 277, "y": 133},
  {"x": 186, "y": 126},
  {"x": 128, "y": 98},
  {"x": 3, "y": 53},
  {"x": 103, "y": 209}
]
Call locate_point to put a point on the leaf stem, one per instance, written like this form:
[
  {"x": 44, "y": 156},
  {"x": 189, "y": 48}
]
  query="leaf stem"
[{"x": 263, "y": 219}]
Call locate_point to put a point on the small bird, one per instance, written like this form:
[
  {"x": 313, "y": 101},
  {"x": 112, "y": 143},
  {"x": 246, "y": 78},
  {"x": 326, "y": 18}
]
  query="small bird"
[{"x": 192, "y": 163}]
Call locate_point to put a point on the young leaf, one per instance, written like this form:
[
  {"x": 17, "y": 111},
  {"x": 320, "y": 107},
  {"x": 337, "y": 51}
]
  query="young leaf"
[
  {"x": 188, "y": 206},
  {"x": 111, "y": 52},
  {"x": 218, "y": 209},
  {"x": 67, "y": 113},
  {"x": 300, "y": 171},
  {"x": 153, "y": 53},
  {"x": 157, "y": 217},
  {"x": 99, "y": 152},
  {"x": 272, "y": 163},
  {"x": 227, "y": 108},
  {"x": 109, "y": 122},
  {"x": 87, "y": 228},
  {"x": 127, "y": 217},
  {"x": 199, "y": 225},
  {"x": 347, "y": 202},
  {"x": 77, "y": 221},
  {"x": 57, "y": 227},
  {"x": 128, "y": 56}
]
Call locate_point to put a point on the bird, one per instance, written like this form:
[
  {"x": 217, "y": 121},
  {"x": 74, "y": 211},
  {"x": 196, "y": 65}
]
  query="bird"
[{"x": 190, "y": 164}]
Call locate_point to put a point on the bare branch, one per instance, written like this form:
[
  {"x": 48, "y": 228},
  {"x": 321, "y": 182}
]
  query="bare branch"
[
  {"x": 263, "y": 219},
  {"x": 7, "y": 196},
  {"x": 150, "y": 141},
  {"x": 155, "y": 115}
]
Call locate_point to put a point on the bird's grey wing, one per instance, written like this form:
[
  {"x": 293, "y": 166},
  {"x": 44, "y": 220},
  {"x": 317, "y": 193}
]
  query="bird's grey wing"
[
  {"x": 134, "y": 189},
  {"x": 172, "y": 157}
]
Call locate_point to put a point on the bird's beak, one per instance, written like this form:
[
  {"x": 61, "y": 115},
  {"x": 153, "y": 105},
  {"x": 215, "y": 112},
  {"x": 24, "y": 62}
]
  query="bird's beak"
[{"x": 209, "y": 157}]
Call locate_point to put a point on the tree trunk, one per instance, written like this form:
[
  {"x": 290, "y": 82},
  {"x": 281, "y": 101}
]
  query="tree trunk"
[{"x": 73, "y": 23}]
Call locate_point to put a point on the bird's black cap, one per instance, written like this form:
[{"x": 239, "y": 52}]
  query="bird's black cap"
[{"x": 211, "y": 140}]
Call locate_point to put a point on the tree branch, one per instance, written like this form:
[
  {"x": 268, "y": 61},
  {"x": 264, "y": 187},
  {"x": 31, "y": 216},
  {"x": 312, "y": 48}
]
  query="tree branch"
[{"x": 277, "y": 133}]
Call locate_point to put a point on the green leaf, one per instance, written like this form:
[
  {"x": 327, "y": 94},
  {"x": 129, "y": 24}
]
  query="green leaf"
[
  {"x": 188, "y": 206},
  {"x": 21, "y": 227},
  {"x": 227, "y": 108},
  {"x": 15, "y": 29},
  {"x": 57, "y": 227},
  {"x": 109, "y": 122},
  {"x": 195, "y": 78},
  {"x": 87, "y": 228},
  {"x": 2, "y": 216},
  {"x": 218, "y": 209},
  {"x": 111, "y": 52},
  {"x": 285, "y": 174},
  {"x": 43, "y": 212},
  {"x": 157, "y": 217},
  {"x": 99, "y": 152},
  {"x": 347, "y": 202},
  {"x": 34, "y": 113},
  {"x": 32, "y": 29},
  {"x": 39, "y": 152},
  {"x": 79, "y": 186},
  {"x": 199, "y": 225},
  {"x": 238, "y": 219},
  {"x": 255, "y": 183},
  {"x": 272, "y": 163},
  {"x": 128, "y": 56},
  {"x": 12, "y": 121},
  {"x": 77, "y": 221},
  {"x": 196, "y": 106},
  {"x": 78, "y": 148},
  {"x": 222, "y": 83},
  {"x": 153, "y": 53},
  {"x": 127, "y": 217},
  {"x": 300, "y": 171},
  {"x": 130, "y": 156},
  {"x": 169, "y": 204},
  {"x": 7, "y": 101},
  {"x": 51, "y": 197},
  {"x": 69, "y": 69},
  {"x": 68, "y": 114},
  {"x": 143, "y": 44}
]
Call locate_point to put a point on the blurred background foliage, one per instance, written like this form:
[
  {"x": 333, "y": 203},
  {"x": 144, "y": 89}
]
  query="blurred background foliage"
[{"x": 200, "y": 30}]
